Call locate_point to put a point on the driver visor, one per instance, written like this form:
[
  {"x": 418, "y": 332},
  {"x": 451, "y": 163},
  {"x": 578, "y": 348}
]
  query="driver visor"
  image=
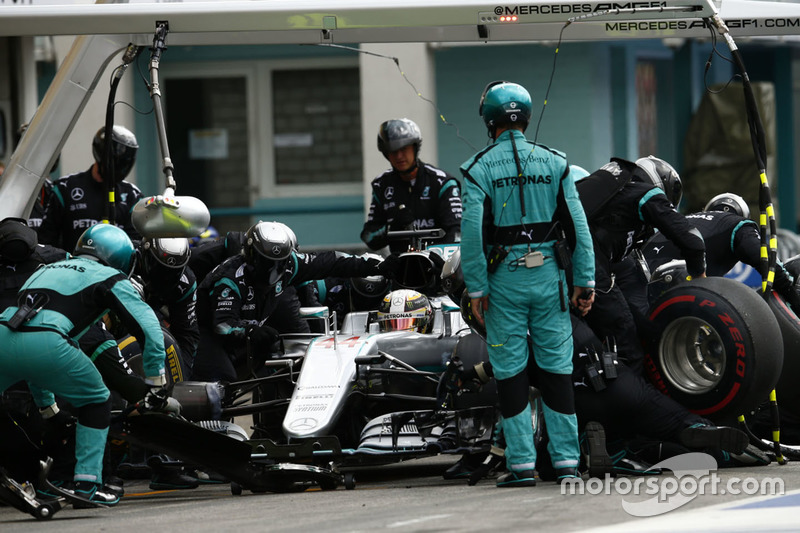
[{"x": 401, "y": 324}]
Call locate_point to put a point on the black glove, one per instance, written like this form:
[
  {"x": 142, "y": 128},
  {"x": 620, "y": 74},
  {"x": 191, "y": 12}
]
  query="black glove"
[
  {"x": 58, "y": 429},
  {"x": 388, "y": 267},
  {"x": 264, "y": 341},
  {"x": 158, "y": 399}
]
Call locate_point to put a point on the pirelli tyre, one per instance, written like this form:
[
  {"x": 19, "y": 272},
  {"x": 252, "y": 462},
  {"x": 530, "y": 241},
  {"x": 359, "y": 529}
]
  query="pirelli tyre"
[
  {"x": 714, "y": 348},
  {"x": 786, "y": 388},
  {"x": 176, "y": 368}
]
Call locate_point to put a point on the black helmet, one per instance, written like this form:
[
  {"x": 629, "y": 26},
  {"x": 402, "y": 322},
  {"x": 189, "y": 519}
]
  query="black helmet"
[
  {"x": 397, "y": 133},
  {"x": 123, "y": 150},
  {"x": 729, "y": 202},
  {"x": 663, "y": 176},
  {"x": 17, "y": 239},
  {"x": 108, "y": 244},
  {"x": 453, "y": 276},
  {"x": 160, "y": 254},
  {"x": 405, "y": 309},
  {"x": 268, "y": 247}
]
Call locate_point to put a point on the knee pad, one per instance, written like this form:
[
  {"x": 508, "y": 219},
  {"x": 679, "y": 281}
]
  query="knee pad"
[
  {"x": 95, "y": 415},
  {"x": 513, "y": 394},
  {"x": 557, "y": 392}
]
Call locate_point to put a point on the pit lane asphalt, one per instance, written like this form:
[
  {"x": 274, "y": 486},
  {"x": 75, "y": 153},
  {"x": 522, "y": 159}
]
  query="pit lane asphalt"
[{"x": 413, "y": 496}]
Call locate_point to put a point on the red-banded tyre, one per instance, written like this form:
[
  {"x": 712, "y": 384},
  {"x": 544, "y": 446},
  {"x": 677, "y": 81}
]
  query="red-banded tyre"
[
  {"x": 787, "y": 389},
  {"x": 717, "y": 348}
]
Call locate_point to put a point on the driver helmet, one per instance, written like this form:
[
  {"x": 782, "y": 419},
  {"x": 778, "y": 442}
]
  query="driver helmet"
[
  {"x": 267, "y": 248},
  {"x": 663, "y": 176},
  {"x": 504, "y": 103},
  {"x": 164, "y": 255},
  {"x": 403, "y": 310},
  {"x": 453, "y": 276},
  {"x": 108, "y": 244},
  {"x": 123, "y": 150},
  {"x": 398, "y": 133},
  {"x": 730, "y": 203}
]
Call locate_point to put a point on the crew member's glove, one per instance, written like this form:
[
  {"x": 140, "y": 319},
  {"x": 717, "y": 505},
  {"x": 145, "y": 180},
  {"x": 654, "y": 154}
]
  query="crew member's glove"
[
  {"x": 59, "y": 426},
  {"x": 264, "y": 341},
  {"x": 386, "y": 268},
  {"x": 160, "y": 400}
]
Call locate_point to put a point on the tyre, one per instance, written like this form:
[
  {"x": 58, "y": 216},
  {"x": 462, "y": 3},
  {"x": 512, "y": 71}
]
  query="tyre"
[
  {"x": 176, "y": 368},
  {"x": 786, "y": 388},
  {"x": 713, "y": 349}
]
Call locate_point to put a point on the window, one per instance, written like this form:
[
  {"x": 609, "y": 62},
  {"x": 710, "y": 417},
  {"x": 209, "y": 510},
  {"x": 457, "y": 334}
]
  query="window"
[
  {"x": 266, "y": 128},
  {"x": 317, "y": 126}
]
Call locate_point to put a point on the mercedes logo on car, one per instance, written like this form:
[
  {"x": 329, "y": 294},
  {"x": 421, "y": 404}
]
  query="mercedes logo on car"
[{"x": 303, "y": 424}]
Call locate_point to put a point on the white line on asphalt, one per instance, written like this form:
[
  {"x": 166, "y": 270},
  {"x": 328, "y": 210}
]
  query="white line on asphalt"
[
  {"x": 532, "y": 500},
  {"x": 418, "y": 520}
]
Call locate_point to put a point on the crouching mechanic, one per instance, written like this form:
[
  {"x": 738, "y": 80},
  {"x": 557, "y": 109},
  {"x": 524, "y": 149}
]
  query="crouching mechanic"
[
  {"x": 237, "y": 298},
  {"x": 55, "y": 306},
  {"x": 625, "y": 408},
  {"x": 624, "y": 202},
  {"x": 524, "y": 189}
]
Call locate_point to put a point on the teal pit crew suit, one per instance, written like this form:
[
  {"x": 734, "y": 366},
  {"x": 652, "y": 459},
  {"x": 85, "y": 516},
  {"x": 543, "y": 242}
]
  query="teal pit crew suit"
[
  {"x": 521, "y": 299},
  {"x": 72, "y": 295}
]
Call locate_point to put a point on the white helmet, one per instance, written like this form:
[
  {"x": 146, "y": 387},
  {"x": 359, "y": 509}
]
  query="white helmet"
[{"x": 729, "y": 202}]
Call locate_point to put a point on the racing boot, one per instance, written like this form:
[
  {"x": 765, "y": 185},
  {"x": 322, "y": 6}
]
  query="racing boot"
[
  {"x": 627, "y": 463},
  {"x": 703, "y": 436},
  {"x": 517, "y": 478},
  {"x": 465, "y": 466},
  {"x": 114, "y": 485},
  {"x": 751, "y": 456},
  {"x": 93, "y": 492},
  {"x": 563, "y": 474},
  {"x": 598, "y": 461}
]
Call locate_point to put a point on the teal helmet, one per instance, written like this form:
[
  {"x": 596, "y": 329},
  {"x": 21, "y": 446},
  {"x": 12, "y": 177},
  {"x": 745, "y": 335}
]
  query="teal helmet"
[
  {"x": 504, "y": 103},
  {"x": 108, "y": 244},
  {"x": 577, "y": 173}
]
